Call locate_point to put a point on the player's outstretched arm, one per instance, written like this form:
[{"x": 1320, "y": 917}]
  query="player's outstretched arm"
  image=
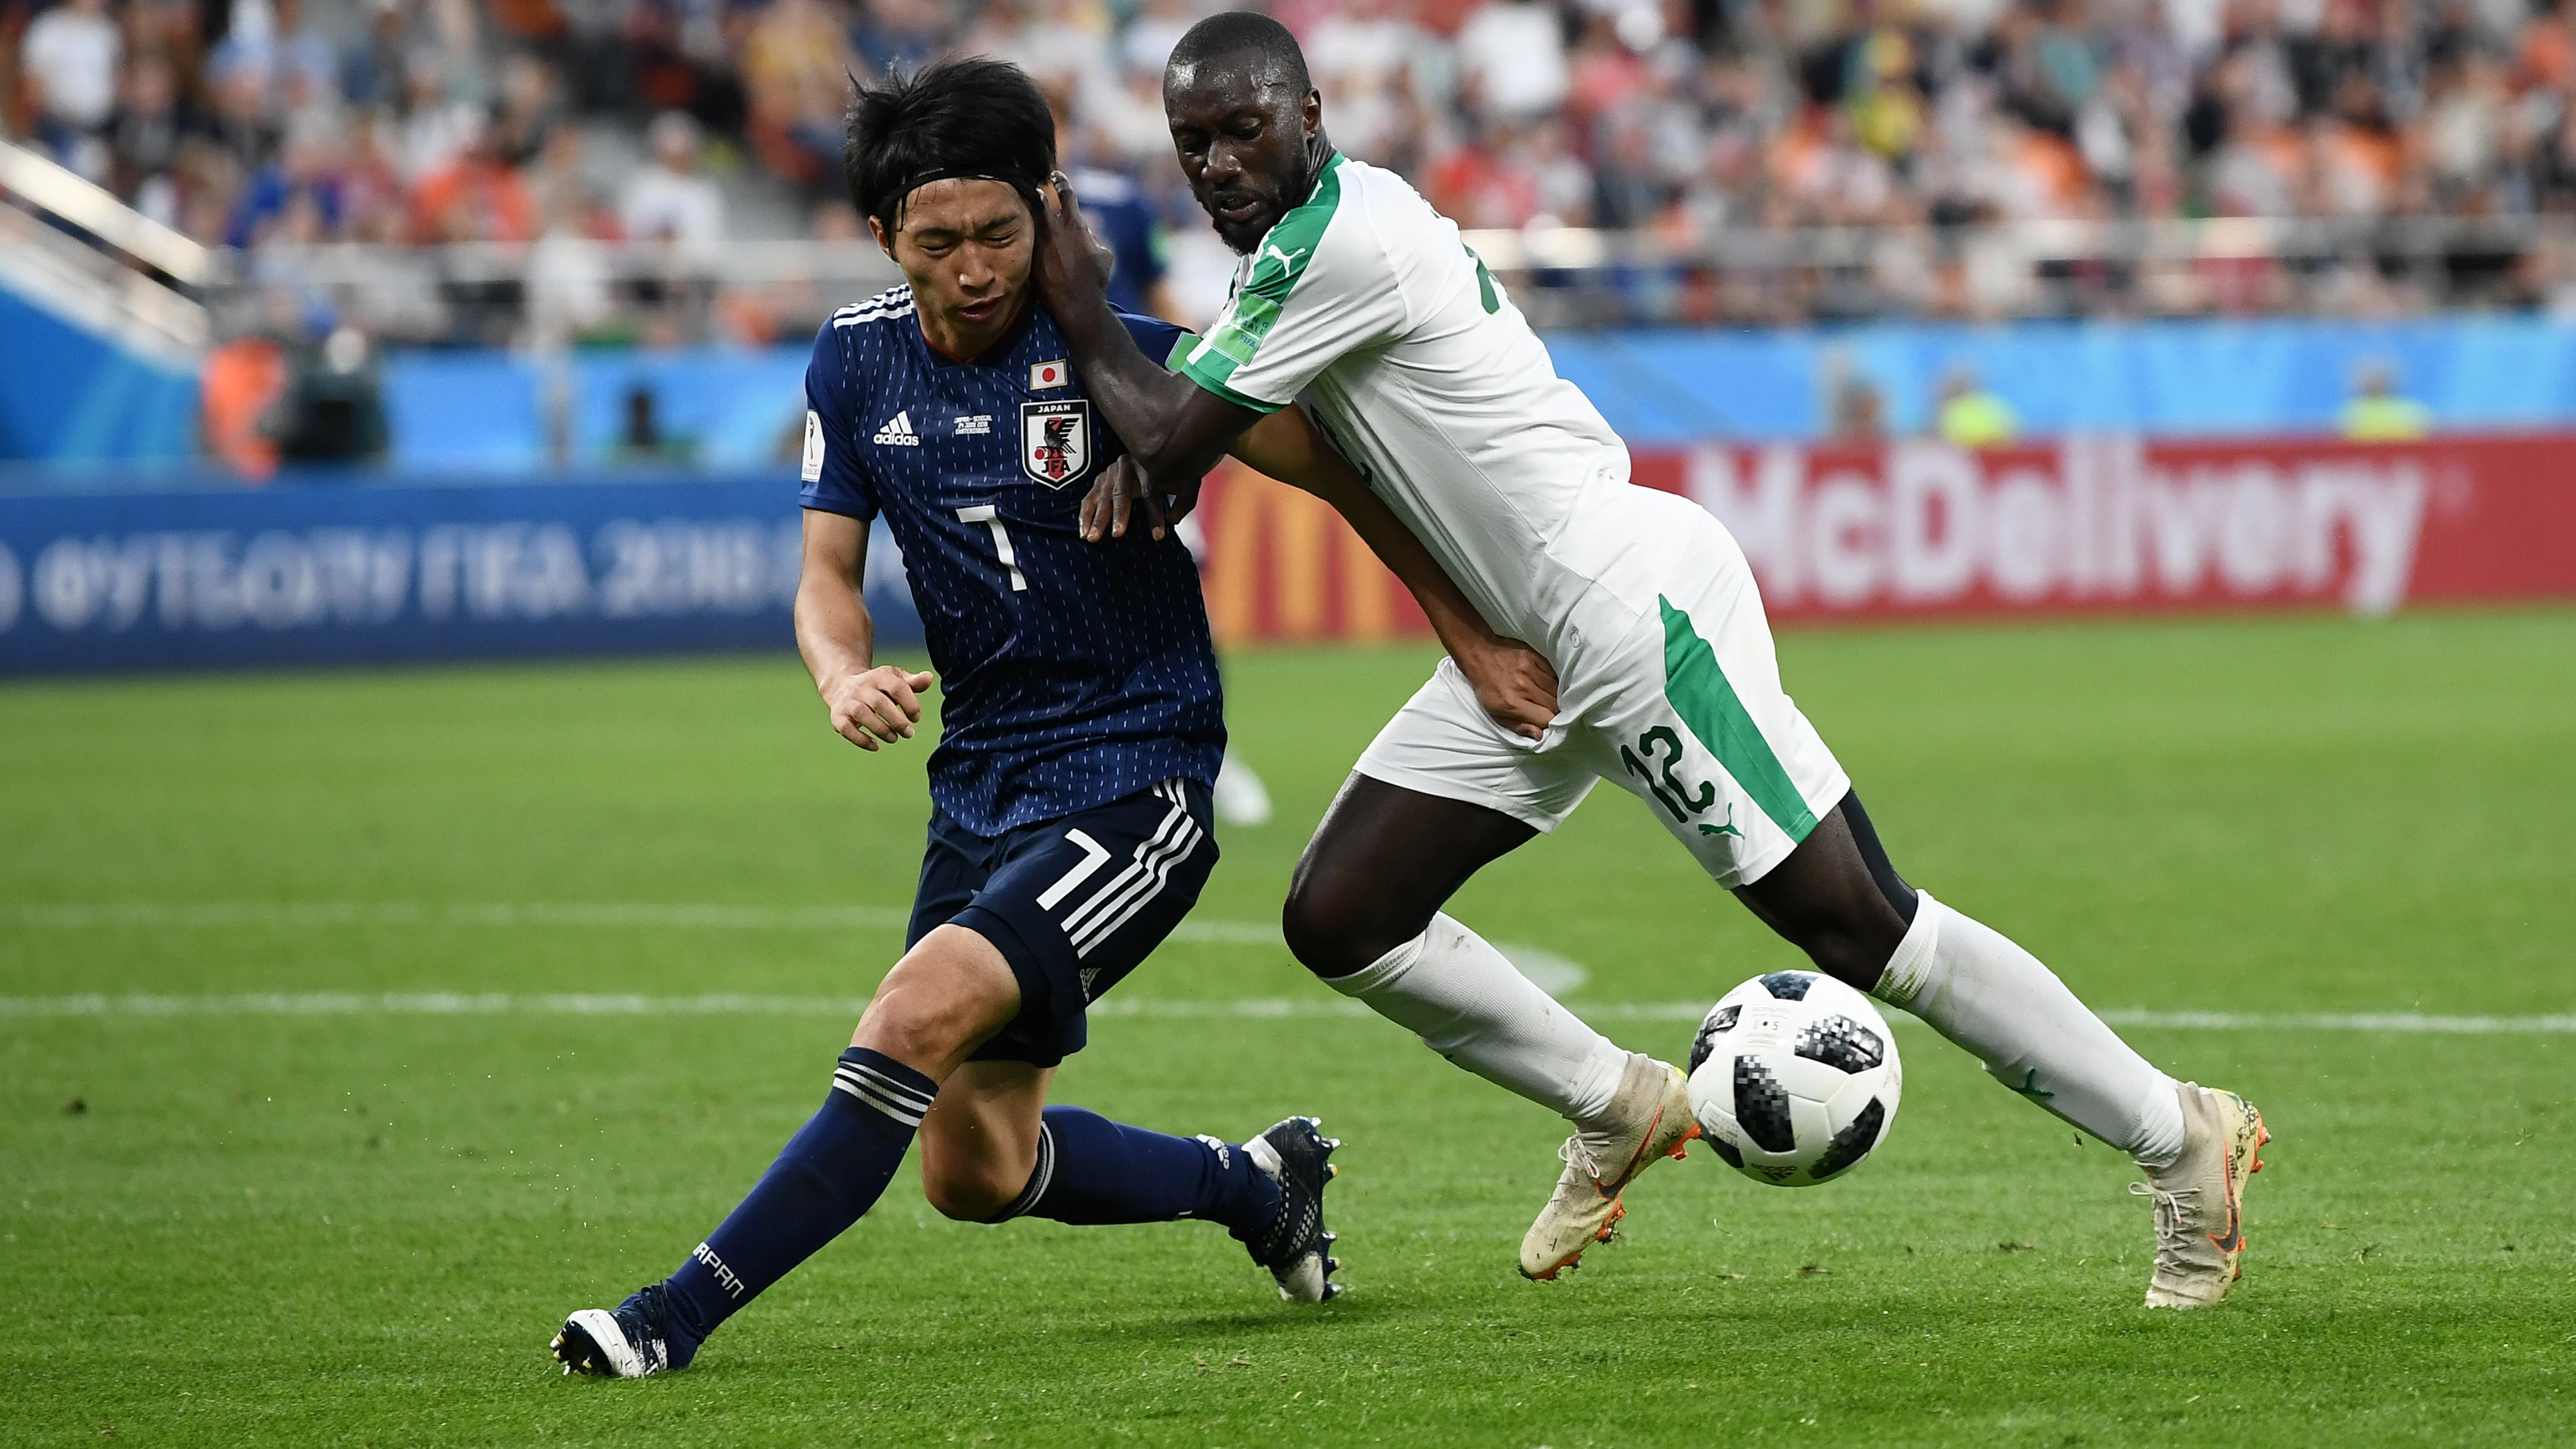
[
  {"x": 1514, "y": 682},
  {"x": 869, "y": 702},
  {"x": 1172, "y": 427}
]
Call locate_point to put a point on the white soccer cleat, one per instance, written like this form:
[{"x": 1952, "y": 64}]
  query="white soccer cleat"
[
  {"x": 2199, "y": 1200},
  {"x": 1649, "y": 1119}
]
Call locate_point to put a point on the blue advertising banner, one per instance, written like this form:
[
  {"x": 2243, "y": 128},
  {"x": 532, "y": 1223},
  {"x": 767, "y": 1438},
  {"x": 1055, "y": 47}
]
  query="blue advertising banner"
[{"x": 373, "y": 574}]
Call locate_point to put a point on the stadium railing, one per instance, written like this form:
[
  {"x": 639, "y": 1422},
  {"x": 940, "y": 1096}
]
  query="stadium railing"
[
  {"x": 1563, "y": 277},
  {"x": 115, "y": 269},
  {"x": 1571, "y": 277},
  {"x": 558, "y": 292}
]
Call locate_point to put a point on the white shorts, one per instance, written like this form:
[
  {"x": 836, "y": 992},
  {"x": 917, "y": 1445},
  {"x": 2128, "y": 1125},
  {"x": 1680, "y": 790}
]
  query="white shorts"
[{"x": 1668, "y": 686}]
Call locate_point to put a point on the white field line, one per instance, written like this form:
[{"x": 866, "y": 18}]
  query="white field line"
[
  {"x": 1554, "y": 973},
  {"x": 441, "y": 1003},
  {"x": 205, "y": 915},
  {"x": 2401, "y": 1021}
]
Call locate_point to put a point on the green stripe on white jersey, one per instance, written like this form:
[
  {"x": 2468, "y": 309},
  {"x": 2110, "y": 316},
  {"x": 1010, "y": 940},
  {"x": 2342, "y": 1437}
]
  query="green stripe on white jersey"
[
  {"x": 1365, "y": 307},
  {"x": 1262, "y": 291}
]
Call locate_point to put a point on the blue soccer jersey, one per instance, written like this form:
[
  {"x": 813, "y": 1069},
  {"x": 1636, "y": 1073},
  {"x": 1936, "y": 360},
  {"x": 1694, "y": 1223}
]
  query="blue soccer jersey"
[{"x": 1071, "y": 673}]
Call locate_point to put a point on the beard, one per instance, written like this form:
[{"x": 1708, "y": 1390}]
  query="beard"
[
  {"x": 1270, "y": 203},
  {"x": 1244, "y": 237}
]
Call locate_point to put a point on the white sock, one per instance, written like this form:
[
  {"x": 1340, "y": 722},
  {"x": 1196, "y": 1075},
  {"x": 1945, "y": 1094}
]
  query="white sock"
[
  {"x": 1472, "y": 1006},
  {"x": 1995, "y": 999}
]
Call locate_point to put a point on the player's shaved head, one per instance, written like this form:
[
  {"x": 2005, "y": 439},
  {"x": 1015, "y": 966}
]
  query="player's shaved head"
[
  {"x": 1241, "y": 34},
  {"x": 1246, "y": 122}
]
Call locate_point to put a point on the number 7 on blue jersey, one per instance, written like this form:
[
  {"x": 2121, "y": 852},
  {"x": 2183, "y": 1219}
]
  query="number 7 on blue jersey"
[{"x": 983, "y": 513}]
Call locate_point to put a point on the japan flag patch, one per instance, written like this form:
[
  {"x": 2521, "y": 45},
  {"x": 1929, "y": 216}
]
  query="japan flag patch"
[
  {"x": 1044, "y": 375},
  {"x": 1055, "y": 441},
  {"x": 813, "y": 446}
]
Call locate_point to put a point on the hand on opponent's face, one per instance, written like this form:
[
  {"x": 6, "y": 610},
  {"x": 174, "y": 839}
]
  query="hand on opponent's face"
[{"x": 1072, "y": 266}]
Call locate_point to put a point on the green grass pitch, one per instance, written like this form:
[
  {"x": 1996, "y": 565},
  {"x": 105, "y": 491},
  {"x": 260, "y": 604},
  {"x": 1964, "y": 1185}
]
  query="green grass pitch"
[{"x": 359, "y": 1227}]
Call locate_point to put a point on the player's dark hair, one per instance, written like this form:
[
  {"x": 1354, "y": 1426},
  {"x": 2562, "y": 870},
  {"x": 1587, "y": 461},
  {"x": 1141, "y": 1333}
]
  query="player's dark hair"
[
  {"x": 968, "y": 117},
  {"x": 1245, "y": 32}
]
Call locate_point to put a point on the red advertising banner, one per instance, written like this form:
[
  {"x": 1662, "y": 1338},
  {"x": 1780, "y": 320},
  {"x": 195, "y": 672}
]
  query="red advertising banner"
[
  {"x": 2084, "y": 525},
  {"x": 2111, "y": 524}
]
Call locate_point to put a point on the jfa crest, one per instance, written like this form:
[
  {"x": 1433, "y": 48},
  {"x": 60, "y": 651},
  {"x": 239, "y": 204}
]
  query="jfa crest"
[{"x": 1055, "y": 441}]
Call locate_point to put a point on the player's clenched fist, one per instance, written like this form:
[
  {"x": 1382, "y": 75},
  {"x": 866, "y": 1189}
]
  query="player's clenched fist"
[{"x": 883, "y": 703}]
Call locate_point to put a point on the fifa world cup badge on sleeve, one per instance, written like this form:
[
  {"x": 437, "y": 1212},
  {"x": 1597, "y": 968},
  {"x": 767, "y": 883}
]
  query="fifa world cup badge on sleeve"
[
  {"x": 813, "y": 446},
  {"x": 1055, "y": 441}
]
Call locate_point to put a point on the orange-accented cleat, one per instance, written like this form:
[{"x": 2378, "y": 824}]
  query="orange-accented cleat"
[
  {"x": 2199, "y": 1200},
  {"x": 1648, "y": 1120}
]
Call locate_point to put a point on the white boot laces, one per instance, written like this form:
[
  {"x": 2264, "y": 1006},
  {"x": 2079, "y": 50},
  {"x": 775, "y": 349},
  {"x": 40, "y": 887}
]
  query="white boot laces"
[
  {"x": 1577, "y": 1154},
  {"x": 2173, "y": 1235},
  {"x": 1583, "y": 1151}
]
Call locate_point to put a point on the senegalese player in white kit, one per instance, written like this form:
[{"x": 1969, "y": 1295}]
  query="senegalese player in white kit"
[{"x": 1360, "y": 304}]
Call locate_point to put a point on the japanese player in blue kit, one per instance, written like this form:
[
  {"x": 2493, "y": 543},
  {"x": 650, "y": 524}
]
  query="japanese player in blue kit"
[{"x": 1081, "y": 725}]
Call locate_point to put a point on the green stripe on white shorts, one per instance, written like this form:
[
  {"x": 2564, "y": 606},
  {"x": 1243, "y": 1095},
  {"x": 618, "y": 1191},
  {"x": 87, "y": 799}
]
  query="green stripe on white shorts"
[{"x": 1701, "y": 695}]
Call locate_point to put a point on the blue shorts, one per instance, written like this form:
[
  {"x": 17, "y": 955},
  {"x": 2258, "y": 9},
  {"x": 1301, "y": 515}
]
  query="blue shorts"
[{"x": 1074, "y": 903}]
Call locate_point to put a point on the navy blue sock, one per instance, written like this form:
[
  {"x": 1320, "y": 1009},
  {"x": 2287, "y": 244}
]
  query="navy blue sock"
[
  {"x": 830, "y": 1173},
  {"x": 1094, "y": 1171}
]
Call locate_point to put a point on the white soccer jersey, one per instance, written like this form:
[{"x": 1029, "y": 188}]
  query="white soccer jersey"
[{"x": 1364, "y": 306}]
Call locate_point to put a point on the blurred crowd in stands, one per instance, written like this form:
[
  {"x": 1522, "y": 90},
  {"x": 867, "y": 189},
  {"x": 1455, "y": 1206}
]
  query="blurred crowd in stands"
[{"x": 265, "y": 124}]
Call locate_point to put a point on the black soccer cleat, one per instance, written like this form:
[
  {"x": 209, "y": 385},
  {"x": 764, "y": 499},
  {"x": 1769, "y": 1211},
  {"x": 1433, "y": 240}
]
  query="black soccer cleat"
[
  {"x": 1295, "y": 1247},
  {"x": 626, "y": 1342}
]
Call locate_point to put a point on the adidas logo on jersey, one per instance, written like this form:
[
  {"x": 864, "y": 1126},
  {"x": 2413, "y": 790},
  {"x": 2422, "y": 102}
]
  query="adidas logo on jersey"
[{"x": 897, "y": 433}]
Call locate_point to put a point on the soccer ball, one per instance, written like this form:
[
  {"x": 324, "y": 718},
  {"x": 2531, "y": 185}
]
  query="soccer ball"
[{"x": 1794, "y": 1078}]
